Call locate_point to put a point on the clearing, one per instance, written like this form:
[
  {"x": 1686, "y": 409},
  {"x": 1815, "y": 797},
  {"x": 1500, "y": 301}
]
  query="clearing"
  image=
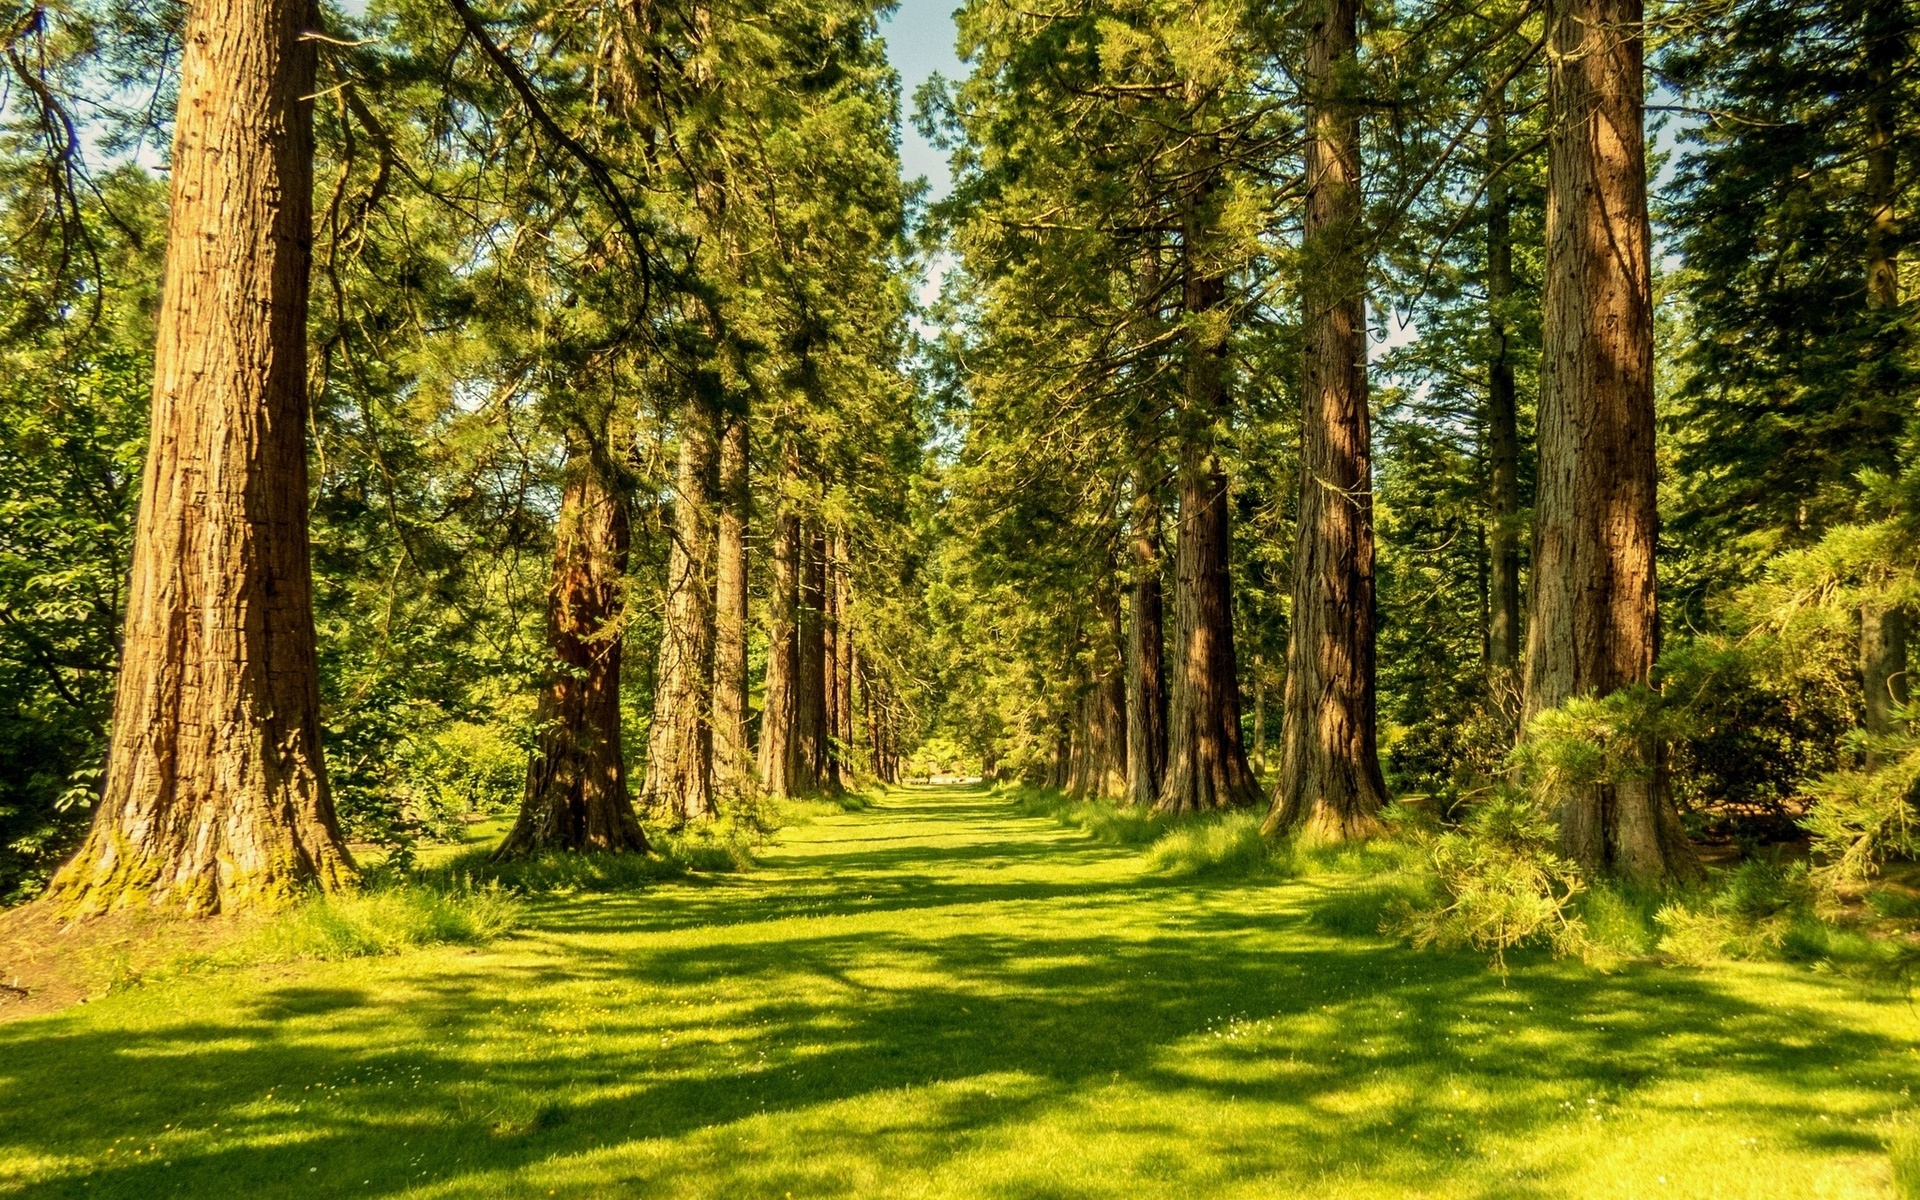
[{"x": 944, "y": 997}]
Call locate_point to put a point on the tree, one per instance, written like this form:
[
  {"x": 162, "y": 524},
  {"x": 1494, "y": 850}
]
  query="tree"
[
  {"x": 1330, "y": 783},
  {"x": 1594, "y": 625},
  {"x": 216, "y": 792},
  {"x": 576, "y": 796}
]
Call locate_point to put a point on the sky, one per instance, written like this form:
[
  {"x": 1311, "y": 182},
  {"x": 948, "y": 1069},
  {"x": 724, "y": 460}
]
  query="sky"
[{"x": 920, "y": 42}]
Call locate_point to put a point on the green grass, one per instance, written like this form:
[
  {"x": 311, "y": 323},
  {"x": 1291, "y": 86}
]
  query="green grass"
[{"x": 947, "y": 996}]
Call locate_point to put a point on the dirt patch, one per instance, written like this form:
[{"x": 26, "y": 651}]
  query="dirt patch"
[{"x": 47, "y": 963}]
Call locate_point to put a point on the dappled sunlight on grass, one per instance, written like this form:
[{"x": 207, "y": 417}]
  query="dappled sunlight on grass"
[{"x": 944, "y": 996}]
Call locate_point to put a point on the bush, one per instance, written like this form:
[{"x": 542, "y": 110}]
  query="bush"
[{"x": 1503, "y": 884}]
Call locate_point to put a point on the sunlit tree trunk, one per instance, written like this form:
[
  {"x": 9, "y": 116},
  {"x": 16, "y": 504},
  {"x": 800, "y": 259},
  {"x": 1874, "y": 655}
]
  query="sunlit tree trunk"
[
  {"x": 808, "y": 765},
  {"x": 679, "y": 779},
  {"x": 732, "y": 753},
  {"x": 1206, "y": 762},
  {"x": 1146, "y": 655},
  {"x": 1330, "y": 785},
  {"x": 216, "y": 794},
  {"x": 783, "y": 652},
  {"x": 1593, "y": 625},
  {"x": 576, "y": 797},
  {"x": 840, "y": 581}
]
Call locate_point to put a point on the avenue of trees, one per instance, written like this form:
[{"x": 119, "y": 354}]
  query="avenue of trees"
[{"x": 461, "y": 407}]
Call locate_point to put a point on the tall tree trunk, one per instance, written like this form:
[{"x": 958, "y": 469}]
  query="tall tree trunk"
[
  {"x": 732, "y": 751},
  {"x": 808, "y": 748},
  {"x": 216, "y": 794},
  {"x": 679, "y": 779},
  {"x": 576, "y": 796},
  {"x": 1330, "y": 784},
  {"x": 1107, "y": 715},
  {"x": 1593, "y": 626},
  {"x": 1206, "y": 761},
  {"x": 834, "y": 648},
  {"x": 841, "y": 581},
  {"x": 1503, "y": 427},
  {"x": 1883, "y": 630},
  {"x": 1146, "y": 655},
  {"x": 783, "y": 657}
]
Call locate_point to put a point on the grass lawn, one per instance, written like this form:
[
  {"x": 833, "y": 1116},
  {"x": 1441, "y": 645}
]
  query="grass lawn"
[{"x": 943, "y": 997}]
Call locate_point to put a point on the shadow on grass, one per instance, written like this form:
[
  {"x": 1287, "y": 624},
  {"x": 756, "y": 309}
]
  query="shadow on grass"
[{"x": 1229, "y": 995}]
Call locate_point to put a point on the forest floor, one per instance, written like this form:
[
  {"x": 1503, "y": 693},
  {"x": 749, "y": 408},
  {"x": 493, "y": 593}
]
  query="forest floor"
[{"x": 944, "y": 997}]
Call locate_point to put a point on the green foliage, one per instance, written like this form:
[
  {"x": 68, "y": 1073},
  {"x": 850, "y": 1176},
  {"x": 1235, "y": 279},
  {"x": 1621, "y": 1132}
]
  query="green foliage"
[
  {"x": 1503, "y": 882},
  {"x": 1863, "y": 816},
  {"x": 1219, "y": 846},
  {"x": 382, "y": 919},
  {"x": 1904, "y": 1148}
]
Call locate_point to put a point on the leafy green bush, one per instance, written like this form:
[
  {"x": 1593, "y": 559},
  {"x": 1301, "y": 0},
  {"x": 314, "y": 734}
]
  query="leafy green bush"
[{"x": 459, "y": 770}]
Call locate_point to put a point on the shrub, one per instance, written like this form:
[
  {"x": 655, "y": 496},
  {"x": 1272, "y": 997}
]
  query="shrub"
[{"x": 1503, "y": 884}]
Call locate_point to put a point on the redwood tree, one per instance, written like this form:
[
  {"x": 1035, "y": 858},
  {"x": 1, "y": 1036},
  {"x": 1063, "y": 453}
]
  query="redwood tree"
[
  {"x": 732, "y": 751},
  {"x": 1330, "y": 783},
  {"x": 576, "y": 795},
  {"x": 1146, "y": 702},
  {"x": 216, "y": 794},
  {"x": 1206, "y": 762},
  {"x": 679, "y": 778},
  {"x": 1593, "y": 626}
]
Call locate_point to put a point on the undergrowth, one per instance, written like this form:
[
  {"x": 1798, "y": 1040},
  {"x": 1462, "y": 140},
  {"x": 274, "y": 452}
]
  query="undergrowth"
[{"x": 381, "y": 919}]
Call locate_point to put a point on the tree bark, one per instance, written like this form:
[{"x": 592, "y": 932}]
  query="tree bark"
[
  {"x": 1593, "y": 627},
  {"x": 576, "y": 796},
  {"x": 808, "y": 769},
  {"x": 1146, "y": 656},
  {"x": 1206, "y": 761},
  {"x": 679, "y": 779},
  {"x": 732, "y": 749},
  {"x": 783, "y": 654},
  {"x": 216, "y": 794},
  {"x": 1330, "y": 783},
  {"x": 1503, "y": 428},
  {"x": 841, "y": 582}
]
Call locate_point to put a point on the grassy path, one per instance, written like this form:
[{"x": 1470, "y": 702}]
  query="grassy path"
[{"x": 944, "y": 998}]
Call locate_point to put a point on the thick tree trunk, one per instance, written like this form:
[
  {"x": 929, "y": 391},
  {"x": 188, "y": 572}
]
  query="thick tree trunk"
[
  {"x": 1503, "y": 428},
  {"x": 783, "y": 655},
  {"x": 679, "y": 779},
  {"x": 732, "y": 751},
  {"x": 1206, "y": 762},
  {"x": 216, "y": 794},
  {"x": 1330, "y": 784},
  {"x": 576, "y": 796},
  {"x": 1593, "y": 627},
  {"x": 808, "y": 769},
  {"x": 1146, "y": 656}
]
